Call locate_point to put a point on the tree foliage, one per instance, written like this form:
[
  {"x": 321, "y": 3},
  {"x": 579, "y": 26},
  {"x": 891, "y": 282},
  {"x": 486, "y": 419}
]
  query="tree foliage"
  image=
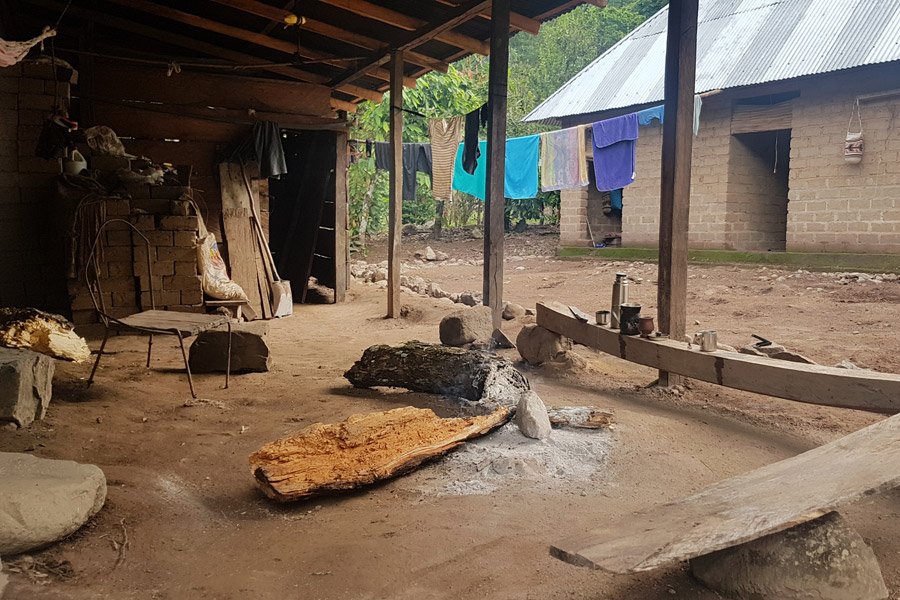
[{"x": 539, "y": 65}]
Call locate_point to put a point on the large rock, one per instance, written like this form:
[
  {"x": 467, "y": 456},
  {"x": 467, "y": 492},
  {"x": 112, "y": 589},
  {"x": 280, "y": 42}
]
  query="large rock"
[
  {"x": 26, "y": 382},
  {"x": 531, "y": 416},
  {"x": 513, "y": 311},
  {"x": 824, "y": 559},
  {"x": 538, "y": 345},
  {"x": 42, "y": 501},
  {"x": 466, "y": 326},
  {"x": 249, "y": 350}
]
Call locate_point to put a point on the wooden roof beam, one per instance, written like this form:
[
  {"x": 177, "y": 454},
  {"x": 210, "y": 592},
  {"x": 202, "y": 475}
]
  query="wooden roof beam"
[
  {"x": 248, "y": 36},
  {"x": 280, "y": 15},
  {"x": 208, "y": 49},
  {"x": 516, "y": 20},
  {"x": 403, "y": 21},
  {"x": 428, "y": 31}
]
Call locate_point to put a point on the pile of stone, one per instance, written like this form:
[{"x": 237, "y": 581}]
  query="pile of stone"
[{"x": 847, "y": 278}]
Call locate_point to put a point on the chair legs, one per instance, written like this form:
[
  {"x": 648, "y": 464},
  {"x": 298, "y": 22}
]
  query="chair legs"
[
  {"x": 99, "y": 354},
  {"x": 228, "y": 356},
  {"x": 187, "y": 367},
  {"x": 149, "y": 348}
]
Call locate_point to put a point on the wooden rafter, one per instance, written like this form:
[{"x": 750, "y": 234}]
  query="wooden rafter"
[
  {"x": 211, "y": 50},
  {"x": 516, "y": 20},
  {"x": 248, "y": 36},
  {"x": 404, "y": 21},
  {"x": 428, "y": 31},
  {"x": 279, "y": 15}
]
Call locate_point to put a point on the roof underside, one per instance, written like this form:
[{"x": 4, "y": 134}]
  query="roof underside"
[
  {"x": 739, "y": 43},
  {"x": 338, "y": 39}
]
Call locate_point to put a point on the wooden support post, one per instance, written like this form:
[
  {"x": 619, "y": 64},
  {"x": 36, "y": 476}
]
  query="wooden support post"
[
  {"x": 675, "y": 189},
  {"x": 341, "y": 233},
  {"x": 494, "y": 203},
  {"x": 395, "y": 207}
]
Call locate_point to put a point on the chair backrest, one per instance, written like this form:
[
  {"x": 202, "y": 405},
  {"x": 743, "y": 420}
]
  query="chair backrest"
[{"x": 92, "y": 270}]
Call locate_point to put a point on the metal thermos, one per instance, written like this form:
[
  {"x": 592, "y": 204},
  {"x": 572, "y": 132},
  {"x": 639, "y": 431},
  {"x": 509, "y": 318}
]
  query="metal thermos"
[{"x": 619, "y": 297}]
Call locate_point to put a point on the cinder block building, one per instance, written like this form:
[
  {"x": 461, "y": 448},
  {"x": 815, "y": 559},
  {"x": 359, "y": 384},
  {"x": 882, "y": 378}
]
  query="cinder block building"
[{"x": 779, "y": 83}]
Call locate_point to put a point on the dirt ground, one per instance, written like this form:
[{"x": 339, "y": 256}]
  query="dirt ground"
[{"x": 181, "y": 492}]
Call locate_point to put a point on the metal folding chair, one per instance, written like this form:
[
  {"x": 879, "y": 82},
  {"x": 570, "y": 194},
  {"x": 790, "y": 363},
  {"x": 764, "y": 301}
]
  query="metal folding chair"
[{"x": 149, "y": 322}]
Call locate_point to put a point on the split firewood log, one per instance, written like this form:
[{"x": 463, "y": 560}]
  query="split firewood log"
[
  {"x": 323, "y": 459},
  {"x": 475, "y": 375},
  {"x": 47, "y": 333}
]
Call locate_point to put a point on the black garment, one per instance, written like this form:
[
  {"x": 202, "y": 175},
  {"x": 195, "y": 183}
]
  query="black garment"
[
  {"x": 55, "y": 141},
  {"x": 416, "y": 158},
  {"x": 264, "y": 146},
  {"x": 474, "y": 121}
]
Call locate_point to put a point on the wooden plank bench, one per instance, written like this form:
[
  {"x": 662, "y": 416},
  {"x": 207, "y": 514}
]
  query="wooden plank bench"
[
  {"x": 813, "y": 384},
  {"x": 737, "y": 510}
]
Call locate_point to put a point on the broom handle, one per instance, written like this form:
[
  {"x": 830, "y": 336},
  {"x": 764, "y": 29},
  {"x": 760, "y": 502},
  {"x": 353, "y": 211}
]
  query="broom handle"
[{"x": 259, "y": 232}]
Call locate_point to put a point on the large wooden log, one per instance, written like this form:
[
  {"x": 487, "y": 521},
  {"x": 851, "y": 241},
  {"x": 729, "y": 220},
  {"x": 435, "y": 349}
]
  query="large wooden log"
[
  {"x": 324, "y": 459},
  {"x": 435, "y": 369},
  {"x": 47, "y": 333},
  {"x": 814, "y": 384}
]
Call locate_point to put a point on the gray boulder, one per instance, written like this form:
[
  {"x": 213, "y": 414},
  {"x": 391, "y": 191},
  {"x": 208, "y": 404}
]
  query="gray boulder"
[
  {"x": 824, "y": 559},
  {"x": 531, "y": 416},
  {"x": 470, "y": 298},
  {"x": 538, "y": 345},
  {"x": 249, "y": 350},
  {"x": 513, "y": 311},
  {"x": 26, "y": 383},
  {"x": 466, "y": 325},
  {"x": 42, "y": 501}
]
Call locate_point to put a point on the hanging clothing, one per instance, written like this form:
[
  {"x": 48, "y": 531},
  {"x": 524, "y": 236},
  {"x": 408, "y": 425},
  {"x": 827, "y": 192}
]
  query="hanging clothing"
[
  {"x": 615, "y": 198},
  {"x": 264, "y": 146},
  {"x": 13, "y": 52},
  {"x": 646, "y": 116},
  {"x": 521, "y": 177},
  {"x": 416, "y": 159},
  {"x": 445, "y": 136},
  {"x": 614, "y": 146},
  {"x": 564, "y": 159},
  {"x": 474, "y": 121}
]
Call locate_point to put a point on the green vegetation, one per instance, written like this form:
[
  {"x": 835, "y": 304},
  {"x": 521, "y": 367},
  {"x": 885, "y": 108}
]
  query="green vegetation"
[{"x": 539, "y": 65}]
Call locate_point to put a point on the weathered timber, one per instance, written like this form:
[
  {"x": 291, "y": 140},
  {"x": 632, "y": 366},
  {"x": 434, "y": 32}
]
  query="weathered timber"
[
  {"x": 361, "y": 450},
  {"x": 395, "y": 186},
  {"x": 813, "y": 384},
  {"x": 744, "y": 508},
  {"x": 434, "y": 369},
  {"x": 47, "y": 333}
]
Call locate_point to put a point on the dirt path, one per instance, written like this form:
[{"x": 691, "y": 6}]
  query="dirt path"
[{"x": 180, "y": 482}]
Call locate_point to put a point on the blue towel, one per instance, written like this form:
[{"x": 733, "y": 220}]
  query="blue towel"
[
  {"x": 646, "y": 116},
  {"x": 614, "y": 143},
  {"x": 521, "y": 179}
]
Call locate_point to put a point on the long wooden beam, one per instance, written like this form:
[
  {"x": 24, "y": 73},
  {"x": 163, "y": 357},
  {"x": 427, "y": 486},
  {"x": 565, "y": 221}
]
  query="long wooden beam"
[
  {"x": 516, "y": 20},
  {"x": 675, "y": 179},
  {"x": 812, "y": 384},
  {"x": 495, "y": 196},
  {"x": 414, "y": 38},
  {"x": 395, "y": 200},
  {"x": 404, "y": 21},
  {"x": 744, "y": 508},
  {"x": 280, "y": 15},
  {"x": 248, "y": 36},
  {"x": 211, "y": 50}
]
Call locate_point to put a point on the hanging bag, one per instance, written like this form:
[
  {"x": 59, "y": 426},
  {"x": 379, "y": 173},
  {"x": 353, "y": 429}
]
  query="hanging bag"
[{"x": 853, "y": 145}]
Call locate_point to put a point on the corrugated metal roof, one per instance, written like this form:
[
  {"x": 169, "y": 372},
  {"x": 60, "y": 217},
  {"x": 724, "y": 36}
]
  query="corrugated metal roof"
[{"x": 739, "y": 43}]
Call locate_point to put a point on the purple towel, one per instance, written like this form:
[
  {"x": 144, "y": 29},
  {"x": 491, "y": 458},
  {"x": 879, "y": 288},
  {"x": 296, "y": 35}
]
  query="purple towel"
[{"x": 614, "y": 142}]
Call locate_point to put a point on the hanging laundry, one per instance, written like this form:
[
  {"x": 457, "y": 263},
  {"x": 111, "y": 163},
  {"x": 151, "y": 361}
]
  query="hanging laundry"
[
  {"x": 264, "y": 146},
  {"x": 615, "y": 199},
  {"x": 521, "y": 179},
  {"x": 445, "y": 136},
  {"x": 416, "y": 159},
  {"x": 564, "y": 159},
  {"x": 646, "y": 116},
  {"x": 614, "y": 151},
  {"x": 474, "y": 121},
  {"x": 13, "y": 52}
]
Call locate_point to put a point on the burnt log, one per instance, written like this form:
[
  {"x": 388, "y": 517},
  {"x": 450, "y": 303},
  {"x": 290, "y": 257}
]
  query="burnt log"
[{"x": 474, "y": 375}]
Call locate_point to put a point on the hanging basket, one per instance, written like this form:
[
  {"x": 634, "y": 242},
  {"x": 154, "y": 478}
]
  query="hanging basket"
[{"x": 853, "y": 143}]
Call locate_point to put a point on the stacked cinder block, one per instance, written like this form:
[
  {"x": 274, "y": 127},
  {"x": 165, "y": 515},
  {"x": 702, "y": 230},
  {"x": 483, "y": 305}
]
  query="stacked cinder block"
[
  {"x": 31, "y": 271},
  {"x": 172, "y": 240}
]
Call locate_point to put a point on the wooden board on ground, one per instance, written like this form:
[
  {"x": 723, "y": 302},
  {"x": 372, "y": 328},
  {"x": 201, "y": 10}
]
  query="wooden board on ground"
[
  {"x": 737, "y": 510},
  {"x": 241, "y": 244},
  {"x": 814, "y": 384},
  {"x": 361, "y": 450}
]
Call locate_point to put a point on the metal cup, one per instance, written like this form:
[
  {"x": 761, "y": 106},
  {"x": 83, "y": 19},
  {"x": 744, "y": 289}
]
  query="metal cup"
[
  {"x": 603, "y": 318},
  {"x": 708, "y": 341}
]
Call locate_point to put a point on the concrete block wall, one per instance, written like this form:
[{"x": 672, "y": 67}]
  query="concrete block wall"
[
  {"x": 835, "y": 206},
  {"x": 31, "y": 252},
  {"x": 573, "y": 216}
]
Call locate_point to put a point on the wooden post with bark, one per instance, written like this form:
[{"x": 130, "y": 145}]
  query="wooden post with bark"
[{"x": 395, "y": 209}]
